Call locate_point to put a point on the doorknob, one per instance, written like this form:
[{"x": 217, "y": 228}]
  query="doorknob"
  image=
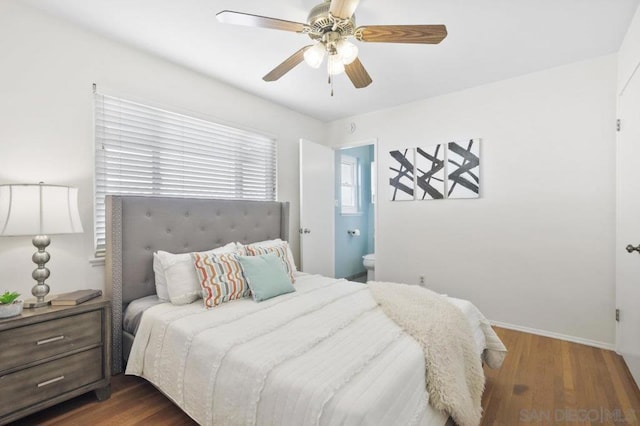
[
  {"x": 631, "y": 248},
  {"x": 305, "y": 230}
]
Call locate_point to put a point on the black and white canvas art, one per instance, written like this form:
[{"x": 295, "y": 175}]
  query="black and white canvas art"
[
  {"x": 430, "y": 172},
  {"x": 463, "y": 169},
  {"x": 401, "y": 172}
]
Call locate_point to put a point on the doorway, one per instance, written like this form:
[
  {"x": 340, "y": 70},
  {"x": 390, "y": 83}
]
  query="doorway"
[{"x": 355, "y": 211}]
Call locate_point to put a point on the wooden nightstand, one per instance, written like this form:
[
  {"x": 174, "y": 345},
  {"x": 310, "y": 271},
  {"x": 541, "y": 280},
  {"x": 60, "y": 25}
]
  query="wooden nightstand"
[{"x": 51, "y": 354}]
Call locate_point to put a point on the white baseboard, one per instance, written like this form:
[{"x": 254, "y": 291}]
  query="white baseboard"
[{"x": 553, "y": 335}]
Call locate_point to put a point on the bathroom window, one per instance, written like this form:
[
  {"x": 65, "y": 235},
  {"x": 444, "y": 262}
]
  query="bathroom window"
[{"x": 350, "y": 185}]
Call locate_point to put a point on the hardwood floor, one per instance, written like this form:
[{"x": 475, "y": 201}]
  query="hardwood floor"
[
  {"x": 543, "y": 381},
  {"x": 548, "y": 381}
]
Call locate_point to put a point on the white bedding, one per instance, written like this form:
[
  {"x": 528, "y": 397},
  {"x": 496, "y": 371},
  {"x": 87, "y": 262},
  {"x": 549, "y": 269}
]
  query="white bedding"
[{"x": 325, "y": 354}]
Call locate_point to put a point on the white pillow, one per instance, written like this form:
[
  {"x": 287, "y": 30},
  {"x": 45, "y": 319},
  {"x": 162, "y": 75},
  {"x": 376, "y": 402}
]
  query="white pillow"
[
  {"x": 275, "y": 243},
  {"x": 161, "y": 280},
  {"x": 182, "y": 281},
  {"x": 278, "y": 247}
]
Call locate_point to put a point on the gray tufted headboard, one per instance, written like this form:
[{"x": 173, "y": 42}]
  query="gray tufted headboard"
[{"x": 139, "y": 226}]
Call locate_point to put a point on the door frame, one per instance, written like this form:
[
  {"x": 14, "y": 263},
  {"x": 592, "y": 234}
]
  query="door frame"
[{"x": 376, "y": 158}]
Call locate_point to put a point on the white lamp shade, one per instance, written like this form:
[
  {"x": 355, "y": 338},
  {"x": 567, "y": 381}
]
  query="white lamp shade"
[
  {"x": 335, "y": 65},
  {"x": 314, "y": 55},
  {"x": 348, "y": 51},
  {"x": 38, "y": 209}
]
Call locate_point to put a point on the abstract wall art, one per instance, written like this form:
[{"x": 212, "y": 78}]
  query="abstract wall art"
[
  {"x": 463, "y": 169},
  {"x": 430, "y": 171},
  {"x": 436, "y": 172},
  {"x": 401, "y": 175}
]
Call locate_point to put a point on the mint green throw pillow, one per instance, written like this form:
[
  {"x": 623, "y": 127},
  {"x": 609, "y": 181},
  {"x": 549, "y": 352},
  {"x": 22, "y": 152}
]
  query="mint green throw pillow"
[{"x": 266, "y": 276}]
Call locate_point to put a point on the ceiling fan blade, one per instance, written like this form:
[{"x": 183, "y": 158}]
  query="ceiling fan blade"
[
  {"x": 357, "y": 74},
  {"x": 425, "y": 34},
  {"x": 286, "y": 66},
  {"x": 239, "y": 18},
  {"x": 343, "y": 9}
]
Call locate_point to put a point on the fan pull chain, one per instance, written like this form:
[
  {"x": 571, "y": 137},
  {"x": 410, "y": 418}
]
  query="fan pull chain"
[{"x": 331, "y": 83}]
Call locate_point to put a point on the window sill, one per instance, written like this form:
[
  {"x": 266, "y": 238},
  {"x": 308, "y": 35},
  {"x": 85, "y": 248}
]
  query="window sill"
[{"x": 352, "y": 214}]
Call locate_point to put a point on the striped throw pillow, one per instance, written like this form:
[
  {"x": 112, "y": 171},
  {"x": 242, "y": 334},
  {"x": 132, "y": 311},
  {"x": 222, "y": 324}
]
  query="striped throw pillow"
[
  {"x": 220, "y": 277},
  {"x": 281, "y": 250}
]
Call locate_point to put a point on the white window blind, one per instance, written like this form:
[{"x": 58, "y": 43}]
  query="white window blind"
[{"x": 143, "y": 150}]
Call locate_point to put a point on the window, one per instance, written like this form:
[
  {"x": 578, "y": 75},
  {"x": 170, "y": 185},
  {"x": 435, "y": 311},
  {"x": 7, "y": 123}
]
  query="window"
[
  {"x": 143, "y": 150},
  {"x": 349, "y": 185}
]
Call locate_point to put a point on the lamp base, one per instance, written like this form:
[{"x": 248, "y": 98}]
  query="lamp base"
[
  {"x": 34, "y": 304},
  {"x": 41, "y": 273}
]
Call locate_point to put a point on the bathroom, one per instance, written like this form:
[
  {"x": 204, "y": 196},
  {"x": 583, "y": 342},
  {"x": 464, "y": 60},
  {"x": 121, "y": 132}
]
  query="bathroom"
[{"x": 355, "y": 191}]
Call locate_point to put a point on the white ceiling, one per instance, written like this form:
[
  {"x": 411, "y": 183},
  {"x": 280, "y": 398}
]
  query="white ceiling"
[{"x": 489, "y": 40}]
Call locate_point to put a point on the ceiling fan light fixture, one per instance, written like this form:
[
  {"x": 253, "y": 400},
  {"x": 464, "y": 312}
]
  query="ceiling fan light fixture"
[
  {"x": 315, "y": 55},
  {"x": 330, "y": 25},
  {"x": 335, "y": 65},
  {"x": 347, "y": 51}
]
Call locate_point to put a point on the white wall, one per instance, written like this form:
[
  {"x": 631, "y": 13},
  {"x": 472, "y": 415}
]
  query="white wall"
[
  {"x": 629, "y": 55},
  {"x": 536, "y": 250},
  {"x": 46, "y": 125}
]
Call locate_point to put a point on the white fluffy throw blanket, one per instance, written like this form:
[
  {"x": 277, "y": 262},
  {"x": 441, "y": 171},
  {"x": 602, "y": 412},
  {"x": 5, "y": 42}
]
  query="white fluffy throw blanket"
[{"x": 453, "y": 369}]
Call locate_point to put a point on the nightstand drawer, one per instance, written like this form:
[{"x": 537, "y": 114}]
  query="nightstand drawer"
[
  {"x": 44, "y": 381},
  {"x": 38, "y": 341}
]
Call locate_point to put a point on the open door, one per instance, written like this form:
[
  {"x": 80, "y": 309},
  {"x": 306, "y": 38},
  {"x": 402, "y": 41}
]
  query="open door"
[
  {"x": 628, "y": 228},
  {"x": 317, "y": 204}
]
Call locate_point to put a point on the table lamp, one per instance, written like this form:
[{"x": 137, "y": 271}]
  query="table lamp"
[{"x": 39, "y": 210}]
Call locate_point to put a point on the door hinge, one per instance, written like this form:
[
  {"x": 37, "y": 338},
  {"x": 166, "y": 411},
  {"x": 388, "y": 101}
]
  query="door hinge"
[
  {"x": 618, "y": 125},
  {"x": 618, "y": 315}
]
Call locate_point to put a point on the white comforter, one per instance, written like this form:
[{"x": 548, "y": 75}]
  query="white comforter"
[{"x": 325, "y": 354}]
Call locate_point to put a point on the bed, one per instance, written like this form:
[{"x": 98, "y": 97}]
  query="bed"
[{"x": 324, "y": 354}]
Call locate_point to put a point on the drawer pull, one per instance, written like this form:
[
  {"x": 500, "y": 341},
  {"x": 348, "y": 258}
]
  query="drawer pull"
[
  {"x": 50, "y": 340},
  {"x": 48, "y": 382}
]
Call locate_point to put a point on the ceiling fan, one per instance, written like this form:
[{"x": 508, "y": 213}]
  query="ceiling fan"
[{"x": 330, "y": 25}]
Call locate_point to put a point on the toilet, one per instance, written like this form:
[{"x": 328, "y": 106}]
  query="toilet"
[{"x": 369, "y": 262}]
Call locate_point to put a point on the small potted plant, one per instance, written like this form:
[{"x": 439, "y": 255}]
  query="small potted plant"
[{"x": 9, "y": 306}]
